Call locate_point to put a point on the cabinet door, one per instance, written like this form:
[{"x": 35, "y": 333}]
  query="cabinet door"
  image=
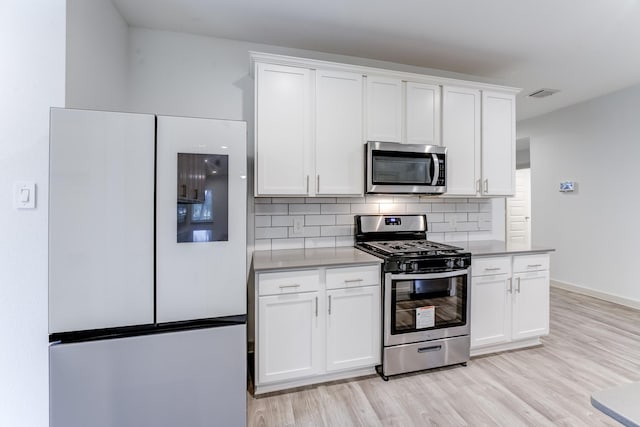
[
  {"x": 353, "y": 327},
  {"x": 384, "y": 109},
  {"x": 461, "y": 136},
  {"x": 531, "y": 304},
  {"x": 339, "y": 143},
  {"x": 290, "y": 331},
  {"x": 422, "y": 114},
  {"x": 490, "y": 310},
  {"x": 283, "y": 130},
  {"x": 498, "y": 144}
]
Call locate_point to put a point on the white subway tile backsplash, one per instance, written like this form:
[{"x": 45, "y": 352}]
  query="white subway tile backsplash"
[
  {"x": 345, "y": 220},
  {"x": 277, "y": 244},
  {"x": 350, "y": 200},
  {"x": 320, "y": 220},
  {"x": 393, "y": 208},
  {"x": 329, "y": 221},
  {"x": 305, "y": 232},
  {"x": 336, "y": 230},
  {"x": 304, "y": 209},
  {"x": 263, "y": 221},
  {"x": 285, "y": 220},
  {"x": 279, "y": 209},
  {"x": 338, "y": 208},
  {"x": 287, "y": 200},
  {"x": 379, "y": 199},
  {"x": 271, "y": 232},
  {"x": 372, "y": 208},
  {"x": 320, "y": 200},
  {"x": 344, "y": 241},
  {"x": 320, "y": 242},
  {"x": 262, "y": 245}
]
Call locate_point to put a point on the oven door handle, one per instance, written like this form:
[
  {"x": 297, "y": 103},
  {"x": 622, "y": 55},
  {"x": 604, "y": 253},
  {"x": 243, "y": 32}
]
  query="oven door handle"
[{"x": 417, "y": 276}]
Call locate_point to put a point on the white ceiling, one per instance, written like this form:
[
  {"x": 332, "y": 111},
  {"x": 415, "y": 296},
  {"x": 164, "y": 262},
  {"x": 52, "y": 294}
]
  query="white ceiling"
[{"x": 585, "y": 48}]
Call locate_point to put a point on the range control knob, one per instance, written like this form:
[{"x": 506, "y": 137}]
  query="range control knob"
[
  {"x": 450, "y": 263},
  {"x": 460, "y": 262}
]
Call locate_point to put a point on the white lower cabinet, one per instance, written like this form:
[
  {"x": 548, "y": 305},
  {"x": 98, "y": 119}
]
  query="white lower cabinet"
[
  {"x": 316, "y": 325},
  {"x": 353, "y": 331},
  {"x": 509, "y": 302},
  {"x": 289, "y": 349}
]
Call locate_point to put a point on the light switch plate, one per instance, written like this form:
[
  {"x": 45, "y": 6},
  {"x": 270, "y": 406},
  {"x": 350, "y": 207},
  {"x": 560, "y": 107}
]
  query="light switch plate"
[{"x": 24, "y": 195}]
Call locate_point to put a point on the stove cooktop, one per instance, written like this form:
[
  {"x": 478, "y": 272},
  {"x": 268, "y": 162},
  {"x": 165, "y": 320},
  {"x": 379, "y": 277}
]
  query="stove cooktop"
[{"x": 411, "y": 247}]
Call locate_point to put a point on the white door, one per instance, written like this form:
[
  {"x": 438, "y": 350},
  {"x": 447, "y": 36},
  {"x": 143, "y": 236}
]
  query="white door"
[
  {"x": 353, "y": 327},
  {"x": 498, "y": 143},
  {"x": 339, "y": 154},
  {"x": 490, "y": 310},
  {"x": 519, "y": 210},
  {"x": 290, "y": 329},
  {"x": 422, "y": 113},
  {"x": 100, "y": 220},
  {"x": 283, "y": 130},
  {"x": 201, "y": 278},
  {"x": 461, "y": 136},
  {"x": 384, "y": 109},
  {"x": 531, "y": 304}
]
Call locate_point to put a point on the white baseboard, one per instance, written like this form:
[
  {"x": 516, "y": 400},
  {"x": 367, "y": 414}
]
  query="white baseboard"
[{"x": 617, "y": 299}]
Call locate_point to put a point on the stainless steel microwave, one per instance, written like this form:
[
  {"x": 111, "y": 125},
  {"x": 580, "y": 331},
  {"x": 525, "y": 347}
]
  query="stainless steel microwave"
[{"x": 394, "y": 168}]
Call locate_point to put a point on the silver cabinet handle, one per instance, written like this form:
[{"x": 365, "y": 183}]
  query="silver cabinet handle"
[
  {"x": 491, "y": 268},
  {"x": 510, "y": 288},
  {"x": 486, "y": 185},
  {"x": 316, "y": 306},
  {"x": 477, "y": 186},
  {"x": 307, "y": 184},
  {"x": 318, "y": 184},
  {"x": 518, "y": 288},
  {"x": 533, "y": 265},
  {"x": 354, "y": 280},
  {"x": 329, "y": 304},
  {"x": 289, "y": 286}
]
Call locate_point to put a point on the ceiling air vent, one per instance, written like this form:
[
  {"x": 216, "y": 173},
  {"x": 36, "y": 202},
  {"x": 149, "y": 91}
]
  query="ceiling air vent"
[{"x": 542, "y": 93}]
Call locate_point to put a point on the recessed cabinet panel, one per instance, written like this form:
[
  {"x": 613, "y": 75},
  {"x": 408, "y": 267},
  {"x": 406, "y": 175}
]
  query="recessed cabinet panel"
[
  {"x": 384, "y": 109},
  {"x": 490, "y": 310},
  {"x": 283, "y": 130},
  {"x": 498, "y": 144},
  {"x": 531, "y": 304},
  {"x": 422, "y": 111},
  {"x": 461, "y": 135},
  {"x": 339, "y": 156}
]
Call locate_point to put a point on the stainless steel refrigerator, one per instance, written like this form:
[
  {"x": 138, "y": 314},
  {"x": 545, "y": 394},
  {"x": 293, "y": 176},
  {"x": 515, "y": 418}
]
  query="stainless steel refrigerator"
[{"x": 147, "y": 270}]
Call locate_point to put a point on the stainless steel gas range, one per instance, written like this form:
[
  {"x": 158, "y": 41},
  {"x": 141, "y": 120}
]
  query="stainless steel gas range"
[{"x": 426, "y": 287}]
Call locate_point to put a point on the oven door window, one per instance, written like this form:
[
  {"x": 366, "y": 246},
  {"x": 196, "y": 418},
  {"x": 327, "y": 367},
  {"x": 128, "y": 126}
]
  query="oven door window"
[
  {"x": 422, "y": 304},
  {"x": 390, "y": 168}
]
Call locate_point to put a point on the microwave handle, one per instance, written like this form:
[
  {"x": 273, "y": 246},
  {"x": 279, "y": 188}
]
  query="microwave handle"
[{"x": 436, "y": 169}]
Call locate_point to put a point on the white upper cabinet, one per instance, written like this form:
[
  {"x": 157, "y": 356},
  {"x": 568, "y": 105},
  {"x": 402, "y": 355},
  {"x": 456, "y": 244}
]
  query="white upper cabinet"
[
  {"x": 461, "y": 136},
  {"x": 422, "y": 114},
  {"x": 498, "y": 144},
  {"x": 339, "y": 155},
  {"x": 384, "y": 109},
  {"x": 283, "y": 130}
]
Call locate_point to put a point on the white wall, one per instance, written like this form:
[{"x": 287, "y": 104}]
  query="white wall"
[
  {"x": 32, "y": 53},
  {"x": 97, "y": 56},
  {"x": 594, "y": 230}
]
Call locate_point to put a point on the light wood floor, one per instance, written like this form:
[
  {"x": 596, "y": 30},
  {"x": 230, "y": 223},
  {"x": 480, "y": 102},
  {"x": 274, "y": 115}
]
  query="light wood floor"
[{"x": 593, "y": 345}]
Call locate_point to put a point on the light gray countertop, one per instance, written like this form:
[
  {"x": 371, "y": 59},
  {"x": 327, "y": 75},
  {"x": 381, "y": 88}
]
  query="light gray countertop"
[
  {"x": 308, "y": 258},
  {"x": 620, "y": 403},
  {"x": 496, "y": 247}
]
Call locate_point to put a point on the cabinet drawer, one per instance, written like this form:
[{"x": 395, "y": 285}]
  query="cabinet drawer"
[
  {"x": 349, "y": 277},
  {"x": 490, "y": 266},
  {"x": 524, "y": 263},
  {"x": 287, "y": 282}
]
